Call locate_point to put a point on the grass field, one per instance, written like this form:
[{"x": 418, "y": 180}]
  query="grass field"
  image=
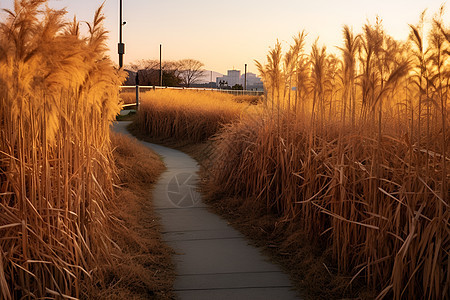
[
  {"x": 355, "y": 157},
  {"x": 187, "y": 115}
]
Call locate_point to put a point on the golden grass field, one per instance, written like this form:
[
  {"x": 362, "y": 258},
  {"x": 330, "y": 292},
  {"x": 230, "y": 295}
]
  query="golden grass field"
[
  {"x": 187, "y": 115},
  {"x": 356, "y": 156}
]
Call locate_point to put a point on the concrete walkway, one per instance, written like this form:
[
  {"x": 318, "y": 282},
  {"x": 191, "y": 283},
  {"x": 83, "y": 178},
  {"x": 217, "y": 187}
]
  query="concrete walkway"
[{"x": 213, "y": 260}]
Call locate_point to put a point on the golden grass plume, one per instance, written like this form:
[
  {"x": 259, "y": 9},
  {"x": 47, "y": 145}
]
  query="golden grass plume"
[{"x": 58, "y": 96}]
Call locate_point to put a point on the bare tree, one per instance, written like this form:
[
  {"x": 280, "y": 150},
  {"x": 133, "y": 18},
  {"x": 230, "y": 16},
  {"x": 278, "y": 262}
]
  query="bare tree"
[
  {"x": 143, "y": 64},
  {"x": 191, "y": 70},
  {"x": 185, "y": 71},
  {"x": 148, "y": 70}
]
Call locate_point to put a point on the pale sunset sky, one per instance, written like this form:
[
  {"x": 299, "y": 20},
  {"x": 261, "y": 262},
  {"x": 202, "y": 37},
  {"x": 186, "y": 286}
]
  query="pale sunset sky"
[{"x": 229, "y": 33}]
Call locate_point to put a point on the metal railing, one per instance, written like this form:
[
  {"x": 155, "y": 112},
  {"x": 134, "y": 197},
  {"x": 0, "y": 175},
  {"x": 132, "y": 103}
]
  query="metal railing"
[
  {"x": 145, "y": 88},
  {"x": 234, "y": 92}
]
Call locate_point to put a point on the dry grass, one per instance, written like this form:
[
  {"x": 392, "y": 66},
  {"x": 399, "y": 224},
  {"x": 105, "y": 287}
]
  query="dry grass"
[
  {"x": 186, "y": 115},
  {"x": 141, "y": 266},
  {"x": 248, "y": 99},
  {"x": 355, "y": 157},
  {"x": 128, "y": 97},
  {"x": 58, "y": 96},
  {"x": 346, "y": 160},
  {"x": 309, "y": 187}
]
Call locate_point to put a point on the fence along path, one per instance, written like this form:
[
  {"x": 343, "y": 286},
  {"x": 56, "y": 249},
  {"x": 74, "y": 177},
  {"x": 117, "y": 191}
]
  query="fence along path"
[
  {"x": 145, "y": 88},
  {"x": 141, "y": 89},
  {"x": 213, "y": 260}
]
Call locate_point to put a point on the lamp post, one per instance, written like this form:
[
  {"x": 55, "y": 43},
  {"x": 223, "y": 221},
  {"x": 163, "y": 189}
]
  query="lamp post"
[
  {"x": 245, "y": 78},
  {"x": 121, "y": 45},
  {"x": 160, "y": 65}
]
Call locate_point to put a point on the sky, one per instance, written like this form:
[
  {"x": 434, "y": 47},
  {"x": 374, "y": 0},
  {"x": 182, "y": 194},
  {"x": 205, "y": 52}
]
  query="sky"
[{"x": 227, "y": 34}]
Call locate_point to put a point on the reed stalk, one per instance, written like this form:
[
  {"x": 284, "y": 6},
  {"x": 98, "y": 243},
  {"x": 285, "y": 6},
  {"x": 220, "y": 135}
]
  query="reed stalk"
[{"x": 58, "y": 97}]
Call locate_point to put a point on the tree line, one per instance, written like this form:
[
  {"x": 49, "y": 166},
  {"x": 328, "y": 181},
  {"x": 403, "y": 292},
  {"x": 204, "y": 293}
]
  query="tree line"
[{"x": 184, "y": 72}]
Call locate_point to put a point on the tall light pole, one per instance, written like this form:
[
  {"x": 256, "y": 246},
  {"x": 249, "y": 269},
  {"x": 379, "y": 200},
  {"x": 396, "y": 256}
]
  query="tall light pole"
[
  {"x": 245, "y": 78},
  {"x": 121, "y": 45},
  {"x": 160, "y": 65}
]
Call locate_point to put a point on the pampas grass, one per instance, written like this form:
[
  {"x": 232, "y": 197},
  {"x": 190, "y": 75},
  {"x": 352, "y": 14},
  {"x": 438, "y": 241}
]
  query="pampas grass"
[
  {"x": 361, "y": 162},
  {"x": 58, "y": 96},
  {"x": 356, "y": 156}
]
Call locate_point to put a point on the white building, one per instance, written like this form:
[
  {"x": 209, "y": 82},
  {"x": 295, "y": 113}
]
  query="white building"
[
  {"x": 234, "y": 77},
  {"x": 252, "y": 80}
]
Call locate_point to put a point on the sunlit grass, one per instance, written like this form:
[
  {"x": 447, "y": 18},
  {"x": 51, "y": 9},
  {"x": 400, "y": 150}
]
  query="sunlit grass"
[
  {"x": 187, "y": 115},
  {"x": 355, "y": 154},
  {"x": 353, "y": 149},
  {"x": 58, "y": 97}
]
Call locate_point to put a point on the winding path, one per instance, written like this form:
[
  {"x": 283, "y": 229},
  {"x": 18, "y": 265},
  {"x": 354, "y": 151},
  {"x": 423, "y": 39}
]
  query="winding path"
[{"x": 213, "y": 260}]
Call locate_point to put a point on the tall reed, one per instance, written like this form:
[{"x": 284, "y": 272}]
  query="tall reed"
[
  {"x": 58, "y": 96},
  {"x": 351, "y": 165}
]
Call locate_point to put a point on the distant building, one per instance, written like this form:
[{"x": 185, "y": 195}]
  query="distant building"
[
  {"x": 234, "y": 77},
  {"x": 253, "y": 82}
]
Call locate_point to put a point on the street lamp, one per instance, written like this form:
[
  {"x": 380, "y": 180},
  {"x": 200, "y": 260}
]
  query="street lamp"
[
  {"x": 245, "y": 78},
  {"x": 160, "y": 65},
  {"x": 121, "y": 45}
]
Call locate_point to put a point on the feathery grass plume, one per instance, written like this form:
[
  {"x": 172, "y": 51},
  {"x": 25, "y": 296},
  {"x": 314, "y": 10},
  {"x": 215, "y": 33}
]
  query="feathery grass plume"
[
  {"x": 349, "y": 52},
  {"x": 318, "y": 65},
  {"x": 370, "y": 49},
  {"x": 375, "y": 194},
  {"x": 372, "y": 194},
  {"x": 421, "y": 60},
  {"x": 271, "y": 74},
  {"x": 58, "y": 96},
  {"x": 300, "y": 69}
]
